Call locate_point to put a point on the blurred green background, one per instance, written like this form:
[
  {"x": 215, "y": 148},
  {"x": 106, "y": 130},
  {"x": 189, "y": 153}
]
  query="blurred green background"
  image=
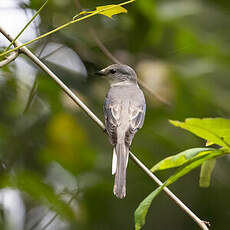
[{"x": 51, "y": 151}]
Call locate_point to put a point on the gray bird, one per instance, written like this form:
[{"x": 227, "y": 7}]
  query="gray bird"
[{"x": 124, "y": 111}]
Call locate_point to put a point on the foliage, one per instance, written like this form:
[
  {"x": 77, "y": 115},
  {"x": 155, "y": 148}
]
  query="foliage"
[
  {"x": 47, "y": 146},
  {"x": 214, "y": 130},
  {"x": 206, "y": 172},
  {"x": 108, "y": 11},
  {"x": 32, "y": 185},
  {"x": 24, "y": 28},
  {"x": 181, "y": 158}
]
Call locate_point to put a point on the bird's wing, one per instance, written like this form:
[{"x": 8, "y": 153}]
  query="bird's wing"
[
  {"x": 136, "y": 120},
  {"x": 112, "y": 113}
]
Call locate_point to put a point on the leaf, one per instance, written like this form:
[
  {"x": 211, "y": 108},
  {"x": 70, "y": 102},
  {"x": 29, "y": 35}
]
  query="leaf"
[
  {"x": 214, "y": 130},
  {"x": 111, "y": 10},
  {"x": 75, "y": 19},
  {"x": 180, "y": 158},
  {"x": 206, "y": 172},
  {"x": 194, "y": 164},
  {"x": 32, "y": 185},
  {"x": 208, "y": 143},
  {"x": 108, "y": 11},
  {"x": 143, "y": 208}
]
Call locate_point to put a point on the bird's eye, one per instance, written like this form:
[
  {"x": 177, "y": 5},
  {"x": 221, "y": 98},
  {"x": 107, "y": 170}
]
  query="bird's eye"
[{"x": 112, "y": 71}]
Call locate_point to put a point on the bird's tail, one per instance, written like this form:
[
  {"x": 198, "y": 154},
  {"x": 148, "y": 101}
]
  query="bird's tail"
[{"x": 122, "y": 155}]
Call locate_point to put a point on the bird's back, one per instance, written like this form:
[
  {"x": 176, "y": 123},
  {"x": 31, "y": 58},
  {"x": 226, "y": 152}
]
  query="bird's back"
[
  {"x": 125, "y": 102},
  {"x": 122, "y": 94}
]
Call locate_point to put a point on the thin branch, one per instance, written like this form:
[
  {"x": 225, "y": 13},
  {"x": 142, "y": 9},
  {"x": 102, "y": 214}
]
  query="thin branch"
[
  {"x": 103, "y": 48},
  {"x": 31, "y": 95},
  {"x": 77, "y": 4},
  {"x": 90, "y": 14},
  {"x": 200, "y": 222},
  {"x": 9, "y": 59},
  {"x": 50, "y": 222},
  {"x": 53, "y": 52},
  {"x": 31, "y": 20},
  {"x": 56, "y": 215},
  {"x": 101, "y": 125},
  {"x": 43, "y": 48},
  {"x": 36, "y": 60},
  {"x": 155, "y": 94}
]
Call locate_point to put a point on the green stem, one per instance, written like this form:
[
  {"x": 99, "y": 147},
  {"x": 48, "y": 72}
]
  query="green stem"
[
  {"x": 26, "y": 25},
  {"x": 63, "y": 26},
  {"x": 125, "y": 3}
]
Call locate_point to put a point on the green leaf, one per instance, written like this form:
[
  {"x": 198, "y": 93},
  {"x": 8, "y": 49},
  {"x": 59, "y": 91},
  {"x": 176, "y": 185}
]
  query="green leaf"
[
  {"x": 111, "y": 10},
  {"x": 108, "y": 11},
  {"x": 105, "y": 11},
  {"x": 208, "y": 143},
  {"x": 184, "y": 170},
  {"x": 214, "y": 130},
  {"x": 181, "y": 158},
  {"x": 206, "y": 172},
  {"x": 143, "y": 208},
  {"x": 33, "y": 185}
]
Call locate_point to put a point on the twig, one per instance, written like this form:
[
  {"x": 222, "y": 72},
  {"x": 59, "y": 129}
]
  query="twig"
[
  {"x": 9, "y": 59},
  {"x": 56, "y": 215},
  {"x": 102, "y": 47},
  {"x": 77, "y": 4},
  {"x": 36, "y": 60},
  {"x": 31, "y": 20},
  {"x": 200, "y": 222},
  {"x": 101, "y": 125},
  {"x": 31, "y": 95},
  {"x": 52, "y": 52},
  {"x": 155, "y": 94},
  {"x": 42, "y": 48},
  {"x": 65, "y": 25},
  {"x": 49, "y": 222}
]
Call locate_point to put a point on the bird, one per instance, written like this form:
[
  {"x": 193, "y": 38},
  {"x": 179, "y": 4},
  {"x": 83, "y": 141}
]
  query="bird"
[{"x": 124, "y": 112}]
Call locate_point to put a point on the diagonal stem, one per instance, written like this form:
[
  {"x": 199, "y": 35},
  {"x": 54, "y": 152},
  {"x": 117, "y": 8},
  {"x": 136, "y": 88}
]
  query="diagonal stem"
[
  {"x": 63, "y": 26},
  {"x": 36, "y": 60},
  {"x": 30, "y": 21},
  {"x": 200, "y": 222}
]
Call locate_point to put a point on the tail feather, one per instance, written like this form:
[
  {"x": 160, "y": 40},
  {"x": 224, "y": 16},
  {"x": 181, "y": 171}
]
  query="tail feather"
[
  {"x": 114, "y": 162},
  {"x": 122, "y": 153}
]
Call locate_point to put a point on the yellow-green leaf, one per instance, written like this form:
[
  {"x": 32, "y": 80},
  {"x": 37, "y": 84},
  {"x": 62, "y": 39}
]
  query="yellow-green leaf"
[
  {"x": 143, "y": 207},
  {"x": 208, "y": 143},
  {"x": 214, "y": 130},
  {"x": 111, "y": 10},
  {"x": 181, "y": 158},
  {"x": 108, "y": 11},
  {"x": 206, "y": 172}
]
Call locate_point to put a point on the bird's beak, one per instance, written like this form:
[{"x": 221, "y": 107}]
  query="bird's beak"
[{"x": 101, "y": 73}]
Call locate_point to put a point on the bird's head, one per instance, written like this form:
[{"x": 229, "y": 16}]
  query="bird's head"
[{"x": 119, "y": 73}]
